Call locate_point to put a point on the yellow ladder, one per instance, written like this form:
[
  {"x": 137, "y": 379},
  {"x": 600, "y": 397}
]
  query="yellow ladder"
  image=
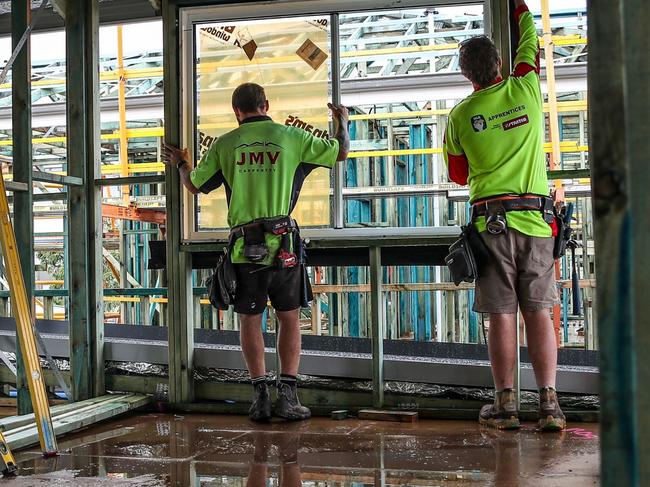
[
  {"x": 25, "y": 328},
  {"x": 7, "y": 463}
]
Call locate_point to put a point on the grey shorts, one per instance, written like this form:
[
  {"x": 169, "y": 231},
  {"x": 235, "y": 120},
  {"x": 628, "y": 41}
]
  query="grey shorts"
[{"x": 521, "y": 272}]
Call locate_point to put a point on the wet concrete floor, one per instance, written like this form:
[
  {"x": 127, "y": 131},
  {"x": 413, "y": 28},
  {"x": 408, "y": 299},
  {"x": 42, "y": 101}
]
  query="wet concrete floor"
[{"x": 151, "y": 450}]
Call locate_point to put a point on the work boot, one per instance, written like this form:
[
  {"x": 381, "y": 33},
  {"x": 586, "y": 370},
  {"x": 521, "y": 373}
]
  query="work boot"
[
  {"x": 503, "y": 414},
  {"x": 551, "y": 417},
  {"x": 288, "y": 406},
  {"x": 260, "y": 409}
]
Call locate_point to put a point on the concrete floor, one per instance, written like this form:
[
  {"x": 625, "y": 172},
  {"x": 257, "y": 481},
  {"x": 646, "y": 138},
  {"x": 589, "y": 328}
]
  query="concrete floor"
[{"x": 153, "y": 450}]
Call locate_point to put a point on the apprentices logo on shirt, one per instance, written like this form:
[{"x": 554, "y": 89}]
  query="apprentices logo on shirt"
[{"x": 478, "y": 123}]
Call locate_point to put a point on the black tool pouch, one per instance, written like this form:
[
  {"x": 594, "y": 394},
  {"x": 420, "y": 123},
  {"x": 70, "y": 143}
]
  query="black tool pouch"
[
  {"x": 480, "y": 251},
  {"x": 564, "y": 234},
  {"x": 222, "y": 284},
  {"x": 255, "y": 248},
  {"x": 460, "y": 260}
]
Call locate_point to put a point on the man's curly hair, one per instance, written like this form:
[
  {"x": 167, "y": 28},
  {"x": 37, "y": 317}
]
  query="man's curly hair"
[{"x": 479, "y": 60}]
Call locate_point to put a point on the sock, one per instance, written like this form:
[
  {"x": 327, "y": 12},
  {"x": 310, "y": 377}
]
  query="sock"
[
  {"x": 290, "y": 380},
  {"x": 258, "y": 380}
]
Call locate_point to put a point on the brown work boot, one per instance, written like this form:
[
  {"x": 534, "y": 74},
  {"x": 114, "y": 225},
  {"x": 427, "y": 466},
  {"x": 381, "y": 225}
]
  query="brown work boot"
[
  {"x": 551, "y": 417},
  {"x": 503, "y": 414}
]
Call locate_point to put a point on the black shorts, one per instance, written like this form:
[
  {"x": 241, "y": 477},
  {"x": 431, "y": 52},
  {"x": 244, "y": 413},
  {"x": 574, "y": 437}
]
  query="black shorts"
[{"x": 282, "y": 286}]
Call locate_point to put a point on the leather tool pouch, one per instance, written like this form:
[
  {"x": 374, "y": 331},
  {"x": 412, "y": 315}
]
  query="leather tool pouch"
[
  {"x": 222, "y": 284},
  {"x": 255, "y": 248}
]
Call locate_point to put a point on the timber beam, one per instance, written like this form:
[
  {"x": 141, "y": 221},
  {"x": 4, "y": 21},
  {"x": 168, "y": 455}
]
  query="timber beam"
[
  {"x": 21, "y": 106},
  {"x": 84, "y": 203}
]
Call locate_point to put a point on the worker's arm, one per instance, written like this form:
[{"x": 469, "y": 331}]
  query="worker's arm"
[
  {"x": 527, "y": 57},
  {"x": 341, "y": 117},
  {"x": 172, "y": 157},
  {"x": 323, "y": 152},
  {"x": 455, "y": 158}
]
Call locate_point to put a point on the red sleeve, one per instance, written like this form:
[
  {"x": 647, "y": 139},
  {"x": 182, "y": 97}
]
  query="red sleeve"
[
  {"x": 458, "y": 168},
  {"x": 522, "y": 69},
  {"x": 518, "y": 11}
]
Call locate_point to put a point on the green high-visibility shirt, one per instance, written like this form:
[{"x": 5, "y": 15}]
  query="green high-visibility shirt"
[
  {"x": 262, "y": 165},
  {"x": 495, "y": 137}
]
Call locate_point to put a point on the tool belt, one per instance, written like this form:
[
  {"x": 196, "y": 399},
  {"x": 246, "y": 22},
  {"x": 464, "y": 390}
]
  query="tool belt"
[
  {"x": 222, "y": 285},
  {"x": 254, "y": 235},
  {"x": 494, "y": 209}
]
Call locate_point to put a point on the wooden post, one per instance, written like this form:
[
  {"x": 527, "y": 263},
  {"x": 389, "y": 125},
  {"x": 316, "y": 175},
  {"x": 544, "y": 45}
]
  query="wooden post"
[
  {"x": 4, "y": 306},
  {"x": 84, "y": 202},
  {"x": 179, "y": 288},
  {"x": 196, "y": 308},
  {"x": 619, "y": 434},
  {"x": 378, "y": 327},
  {"x": 121, "y": 102},
  {"x": 48, "y": 307},
  {"x": 21, "y": 111},
  {"x": 636, "y": 18},
  {"x": 316, "y": 322},
  {"x": 554, "y": 135},
  {"x": 144, "y": 310}
]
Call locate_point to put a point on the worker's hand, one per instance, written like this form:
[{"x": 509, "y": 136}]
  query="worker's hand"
[
  {"x": 171, "y": 155},
  {"x": 340, "y": 113}
]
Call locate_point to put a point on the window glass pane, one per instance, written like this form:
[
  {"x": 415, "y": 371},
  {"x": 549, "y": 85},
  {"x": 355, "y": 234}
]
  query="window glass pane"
[
  {"x": 405, "y": 41},
  {"x": 290, "y": 59}
]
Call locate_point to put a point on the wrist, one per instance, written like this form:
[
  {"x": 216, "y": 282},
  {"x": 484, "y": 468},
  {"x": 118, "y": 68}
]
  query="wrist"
[{"x": 180, "y": 164}]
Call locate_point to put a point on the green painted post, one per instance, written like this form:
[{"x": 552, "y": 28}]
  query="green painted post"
[
  {"x": 613, "y": 224},
  {"x": 636, "y": 17},
  {"x": 378, "y": 327},
  {"x": 179, "y": 272},
  {"x": 21, "y": 105},
  {"x": 84, "y": 202}
]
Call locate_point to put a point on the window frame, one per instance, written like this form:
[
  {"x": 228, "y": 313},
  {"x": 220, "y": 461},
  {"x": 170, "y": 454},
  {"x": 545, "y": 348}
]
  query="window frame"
[{"x": 190, "y": 17}]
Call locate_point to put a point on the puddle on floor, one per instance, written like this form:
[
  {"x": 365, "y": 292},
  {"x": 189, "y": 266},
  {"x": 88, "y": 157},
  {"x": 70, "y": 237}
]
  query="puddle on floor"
[{"x": 154, "y": 450}]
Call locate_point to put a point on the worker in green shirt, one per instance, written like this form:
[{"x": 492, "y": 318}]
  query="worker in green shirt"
[
  {"x": 262, "y": 166},
  {"x": 494, "y": 144}
]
